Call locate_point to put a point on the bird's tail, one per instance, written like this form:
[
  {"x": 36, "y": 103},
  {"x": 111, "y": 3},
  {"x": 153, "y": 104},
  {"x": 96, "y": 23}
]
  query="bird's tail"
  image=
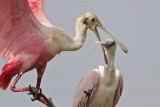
[{"x": 9, "y": 70}]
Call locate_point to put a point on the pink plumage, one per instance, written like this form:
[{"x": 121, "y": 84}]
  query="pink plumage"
[
  {"x": 9, "y": 70},
  {"x": 88, "y": 82},
  {"x": 23, "y": 38},
  {"x": 119, "y": 90},
  {"x": 28, "y": 40},
  {"x": 91, "y": 80},
  {"x": 37, "y": 9}
]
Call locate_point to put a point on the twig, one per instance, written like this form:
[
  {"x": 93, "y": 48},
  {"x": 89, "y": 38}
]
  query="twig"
[{"x": 48, "y": 100}]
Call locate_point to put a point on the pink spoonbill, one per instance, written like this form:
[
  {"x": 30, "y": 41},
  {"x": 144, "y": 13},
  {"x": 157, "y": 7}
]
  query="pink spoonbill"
[
  {"x": 28, "y": 40},
  {"x": 105, "y": 83}
]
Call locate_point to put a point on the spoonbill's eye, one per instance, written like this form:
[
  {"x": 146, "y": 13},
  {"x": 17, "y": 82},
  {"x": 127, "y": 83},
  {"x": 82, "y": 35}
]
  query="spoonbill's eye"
[{"x": 93, "y": 20}]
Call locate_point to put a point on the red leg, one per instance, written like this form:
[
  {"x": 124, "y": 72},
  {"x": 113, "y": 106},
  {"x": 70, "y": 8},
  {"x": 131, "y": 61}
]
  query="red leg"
[
  {"x": 40, "y": 71},
  {"x": 38, "y": 83},
  {"x": 38, "y": 88},
  {"x": 37, "y": 92},
  {"x": 14, "y": 89}
]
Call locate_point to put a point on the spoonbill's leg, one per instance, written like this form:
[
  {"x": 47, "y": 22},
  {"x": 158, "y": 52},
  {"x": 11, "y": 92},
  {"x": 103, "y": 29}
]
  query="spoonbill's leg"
[
  {"x": 36, "y": 92},
  {"x": 13, "y": 87},
  {"x": 38, "y": 83},
  {"x": 40, "y": 71}
]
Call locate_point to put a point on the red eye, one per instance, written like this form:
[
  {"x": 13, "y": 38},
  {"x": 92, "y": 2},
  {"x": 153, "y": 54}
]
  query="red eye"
[{"x": 92, "y": 20}]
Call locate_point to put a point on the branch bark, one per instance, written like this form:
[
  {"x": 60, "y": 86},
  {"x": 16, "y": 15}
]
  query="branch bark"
[{"x": 40, "y": 97}]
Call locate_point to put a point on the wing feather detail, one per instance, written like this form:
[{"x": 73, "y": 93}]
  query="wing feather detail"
[{"x": 19, "y": 28}]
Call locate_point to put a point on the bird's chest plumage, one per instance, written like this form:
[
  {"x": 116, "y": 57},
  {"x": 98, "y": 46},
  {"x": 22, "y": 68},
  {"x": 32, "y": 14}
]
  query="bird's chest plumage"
[{"x": 104, "y": 95}]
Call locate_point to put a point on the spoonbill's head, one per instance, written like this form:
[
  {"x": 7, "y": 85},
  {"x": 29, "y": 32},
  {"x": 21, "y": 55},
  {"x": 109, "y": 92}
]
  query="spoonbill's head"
[
  {"x": 110, "y": 45},
  {"x": 93, "y": 22},
  {"x": 109, "y": 49}
]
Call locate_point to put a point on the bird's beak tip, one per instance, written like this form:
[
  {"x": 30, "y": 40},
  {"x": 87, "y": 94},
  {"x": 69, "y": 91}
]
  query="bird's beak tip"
[
  {"x": 126, "y": 51},
  {"x": 96, "y": 42}
]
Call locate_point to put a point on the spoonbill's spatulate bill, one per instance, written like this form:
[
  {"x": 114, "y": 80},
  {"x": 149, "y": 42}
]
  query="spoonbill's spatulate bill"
[
  {"x": 106, "y": 82},
  {"x": 28, "y": 40}
]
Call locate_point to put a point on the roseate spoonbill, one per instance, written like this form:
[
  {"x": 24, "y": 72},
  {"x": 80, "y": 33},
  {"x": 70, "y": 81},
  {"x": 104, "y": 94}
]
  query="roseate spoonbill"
[
  {"x": 106, "y": 82},
  {"x": 28, "y": 40}
]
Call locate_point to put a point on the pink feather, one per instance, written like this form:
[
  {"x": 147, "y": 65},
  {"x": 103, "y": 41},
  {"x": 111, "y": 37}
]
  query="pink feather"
[
  {"x": 21, "y": 36},
  {"x": 119, "y": 90},
  {"x": 37, "y": 9},
  {"x": 9, "y": 70},
  {"x": 88, "y": 82},
  {"x": 91, "y": 80}
]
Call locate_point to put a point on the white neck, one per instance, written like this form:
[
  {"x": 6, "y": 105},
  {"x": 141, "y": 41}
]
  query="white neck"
[
  {"x": 110, "y": 56},
  {"x": 67, "y": 42},
  {"x": 109, "y": 70}
]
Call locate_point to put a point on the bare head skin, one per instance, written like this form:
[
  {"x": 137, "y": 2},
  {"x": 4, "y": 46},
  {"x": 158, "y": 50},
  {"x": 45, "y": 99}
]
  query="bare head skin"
[
  {"x": 93, "y": 22},
  {"x": 109, "y": 44},
  {"x": 109, "y": 48}
]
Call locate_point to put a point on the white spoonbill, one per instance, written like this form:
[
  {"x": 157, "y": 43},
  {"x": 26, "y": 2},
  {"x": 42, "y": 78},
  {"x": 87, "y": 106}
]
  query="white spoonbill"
[{"x": 105, "y": 83}]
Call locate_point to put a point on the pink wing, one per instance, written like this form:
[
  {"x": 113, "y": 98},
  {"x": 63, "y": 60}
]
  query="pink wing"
[
  {"x": 119, "y": 90},
  {"x": 19, "y": 28},
  {"x": 37, "y": 9},
  {"x": 88, "y": 82}
]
